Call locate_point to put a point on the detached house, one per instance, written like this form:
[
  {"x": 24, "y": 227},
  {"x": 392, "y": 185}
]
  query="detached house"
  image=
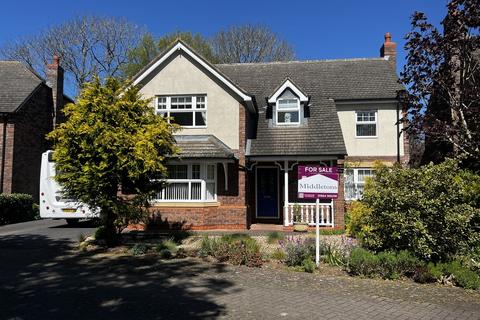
[
  {"x": 246, "y": 128},
  {"x": 29, "y": 108}
]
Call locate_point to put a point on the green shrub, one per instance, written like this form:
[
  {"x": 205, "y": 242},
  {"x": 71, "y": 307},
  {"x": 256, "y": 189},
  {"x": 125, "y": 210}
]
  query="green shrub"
[
  {"x": 207, "y": 246},
  {"x": 462, "y": 276},
  {"x": 356, "y": 225},
  {"x": 274, "y": 237},
  {"x": 238, "y": 249},
  {"x": 363, "y": 262},
  {"x": 308, "y": 265},
  {"x": 165, "y": 253},
  {"x": 387, "y": 264},
  {"x": 423, "y": 274},
  {"x": 336, "y": 253},
  {"x": 139, "y": 249},
  {"x": 17, "y": 207},
  {"x": 168, "y": 244},
  {"x": 433, "y": 211},
  {"x": 297, "y": 249},
  {"x": 278, "y": 254}
]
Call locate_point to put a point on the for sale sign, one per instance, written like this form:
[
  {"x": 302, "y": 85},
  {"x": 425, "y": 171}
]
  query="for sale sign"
[{"x": 317, "y": 182}]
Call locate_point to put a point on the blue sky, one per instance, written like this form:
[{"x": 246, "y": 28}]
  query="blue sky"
[{"x": 316, "y": 29}]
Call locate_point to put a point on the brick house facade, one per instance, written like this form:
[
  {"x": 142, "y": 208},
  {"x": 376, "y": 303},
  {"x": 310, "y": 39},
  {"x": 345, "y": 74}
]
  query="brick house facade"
[{"x": 28, "y": 106}]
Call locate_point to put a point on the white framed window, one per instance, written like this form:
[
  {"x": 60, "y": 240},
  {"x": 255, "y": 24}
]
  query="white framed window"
[
  {"x": 287, "y": 111},
  {"x": 355, "y": 182},
  {"x": 187, "y": 111},
  {"x": 366, "y": 124},
  {"x": 190, "y": 182}
]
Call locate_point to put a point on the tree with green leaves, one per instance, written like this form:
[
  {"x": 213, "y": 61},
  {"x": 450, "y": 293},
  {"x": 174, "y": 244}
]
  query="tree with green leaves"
[
  {"x": 149, "y": 48},
  {"x": 112, "y": 138}
]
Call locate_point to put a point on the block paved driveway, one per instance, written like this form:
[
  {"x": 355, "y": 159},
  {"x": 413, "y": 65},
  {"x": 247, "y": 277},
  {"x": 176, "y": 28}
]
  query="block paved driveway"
[{"x": 42, "y": 278}]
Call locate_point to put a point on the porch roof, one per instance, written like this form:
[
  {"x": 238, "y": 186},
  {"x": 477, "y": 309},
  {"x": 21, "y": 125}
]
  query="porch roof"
[{"x": 203, "y": 146}]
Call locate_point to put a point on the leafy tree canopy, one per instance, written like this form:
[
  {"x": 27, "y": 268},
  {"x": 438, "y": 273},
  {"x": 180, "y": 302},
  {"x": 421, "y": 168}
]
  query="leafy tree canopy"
[{"x": 112, "y": 137}]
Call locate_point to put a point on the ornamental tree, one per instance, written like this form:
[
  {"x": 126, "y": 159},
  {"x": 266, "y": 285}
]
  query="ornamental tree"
[
  {"x": 112, "y": 138},
  {"x": 443, "y": 76}
]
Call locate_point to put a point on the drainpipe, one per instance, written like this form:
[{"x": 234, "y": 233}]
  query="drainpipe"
[
  {"x": 4, "y": 150},
  {"x": 398, "y": 131}
]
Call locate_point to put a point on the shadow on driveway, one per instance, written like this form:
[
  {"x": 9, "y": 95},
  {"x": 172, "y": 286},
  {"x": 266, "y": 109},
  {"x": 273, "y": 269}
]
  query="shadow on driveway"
[{"x": 41, "y": 278}]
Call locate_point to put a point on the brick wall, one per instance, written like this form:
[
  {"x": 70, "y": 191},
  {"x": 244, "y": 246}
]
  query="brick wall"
[
  {"x": 26, "y": 130},
  {"x": 8, "y": 128},
  {"x": 231, "y": 211}
]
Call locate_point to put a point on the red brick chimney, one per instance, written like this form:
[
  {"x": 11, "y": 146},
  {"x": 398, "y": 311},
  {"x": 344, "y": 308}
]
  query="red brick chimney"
[
  {"x": 55, "y": 81},
  {"x": 389, "y": 50}
]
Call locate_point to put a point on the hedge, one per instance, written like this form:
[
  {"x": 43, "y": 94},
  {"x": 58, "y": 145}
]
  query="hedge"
[{"x": 17, "y": 207}]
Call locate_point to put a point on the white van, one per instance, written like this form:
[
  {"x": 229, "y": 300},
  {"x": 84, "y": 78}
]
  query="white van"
[{"x": 52, "y": 204}]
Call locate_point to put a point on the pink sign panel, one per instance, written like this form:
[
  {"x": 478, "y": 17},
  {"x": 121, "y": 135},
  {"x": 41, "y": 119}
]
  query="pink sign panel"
[{"x": 317, "y": 182}]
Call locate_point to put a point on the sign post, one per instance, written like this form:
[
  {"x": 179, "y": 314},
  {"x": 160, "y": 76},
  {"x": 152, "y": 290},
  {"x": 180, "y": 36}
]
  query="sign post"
[
  {"x": 317, "y": 232},
  {"x": 317, "y": 182}
]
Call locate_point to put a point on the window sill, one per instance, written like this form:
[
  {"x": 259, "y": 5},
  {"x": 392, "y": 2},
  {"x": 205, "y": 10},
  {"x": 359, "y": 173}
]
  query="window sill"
[
  {"x": 185, "y": 204},
  {"x": 366, "y": 137}
]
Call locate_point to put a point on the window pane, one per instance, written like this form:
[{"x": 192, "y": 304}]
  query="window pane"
[
  {"x": 210, "y": 192},
  {"x": 366, "y": 130},
  {"x": 365, "y": 116},
  {"x": 182, "y": 118},
  {"x": 288, "y": 117},
  {"x": 210, "y": 172},
  {"x": 200, "y": 102},
  {"x": 201, "y": 118},
  {"x": 162, "y": 103},
  {"x": 364, "y": 173},
  {"x": 177, "y": 171},
  {"x": 181, "y": 102},
  {"x": 288, "y": 104},
  {"x": 195, "y": 171}
]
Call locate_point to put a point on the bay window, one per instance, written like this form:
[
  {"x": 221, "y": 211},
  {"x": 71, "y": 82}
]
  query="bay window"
[
  {"x": 366, "y": 123},
  {"x": 355, "y": 182},
  {"x": 187, "y": 111},
  {"x": 287, "y": 111},
  {"x": 189, "y": 182}
]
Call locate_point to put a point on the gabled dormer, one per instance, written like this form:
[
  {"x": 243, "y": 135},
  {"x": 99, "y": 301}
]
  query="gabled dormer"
[{"x": 288, "y": 105}]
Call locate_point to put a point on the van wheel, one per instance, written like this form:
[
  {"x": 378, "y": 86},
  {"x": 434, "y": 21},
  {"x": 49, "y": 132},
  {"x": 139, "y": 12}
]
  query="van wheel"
[{"x": 72, "y": 222}]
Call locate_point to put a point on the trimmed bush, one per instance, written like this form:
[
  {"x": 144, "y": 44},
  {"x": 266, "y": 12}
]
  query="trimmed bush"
[
  {"x": 363, "y": 262},
  {"x": 17, "y": 207},
  {"x": 433, "y": 211},
  {"x": 460, "y": 275},
  {"x": 387, "y": 264}
]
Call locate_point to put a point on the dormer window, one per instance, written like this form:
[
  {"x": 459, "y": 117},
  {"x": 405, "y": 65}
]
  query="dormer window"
[
  {"x": 287, "y": 111},
  {"x": 288, "y": 102}
]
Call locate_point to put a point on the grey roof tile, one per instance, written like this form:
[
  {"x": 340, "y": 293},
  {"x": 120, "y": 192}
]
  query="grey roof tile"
[
  {"x": 203, "y": 146},
  {"x": 324, "y": 81},
  {"x": 16, "y": 84}
]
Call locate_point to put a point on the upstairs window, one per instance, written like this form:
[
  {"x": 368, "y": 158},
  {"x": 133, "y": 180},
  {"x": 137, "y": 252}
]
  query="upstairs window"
[
  {"x": 187, "y": 111},
  {"x": 287, "y": 111},
  {"x": 366, "y": 122}
]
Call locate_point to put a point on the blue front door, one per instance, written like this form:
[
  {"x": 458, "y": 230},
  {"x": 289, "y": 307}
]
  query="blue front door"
[{"x": 267, "y": 193}]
